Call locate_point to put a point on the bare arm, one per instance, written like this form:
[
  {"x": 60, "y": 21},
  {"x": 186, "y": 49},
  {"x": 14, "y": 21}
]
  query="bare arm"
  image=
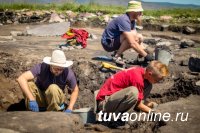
[
  {"x": 135, "y": 45},
  {"x": 143, "y": 107},
  {"x": 23, "y": 83},
  {"x": 73, "y": 98}
]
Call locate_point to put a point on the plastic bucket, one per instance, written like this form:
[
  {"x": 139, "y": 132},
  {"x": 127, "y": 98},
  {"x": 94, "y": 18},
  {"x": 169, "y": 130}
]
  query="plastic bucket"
[
  {"x": 163, "y": 56},
  {"x": 87, "y": 115}
]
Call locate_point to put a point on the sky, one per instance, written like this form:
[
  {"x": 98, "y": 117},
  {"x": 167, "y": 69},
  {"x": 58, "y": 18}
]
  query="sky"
[{"x": 195, "y": 2}]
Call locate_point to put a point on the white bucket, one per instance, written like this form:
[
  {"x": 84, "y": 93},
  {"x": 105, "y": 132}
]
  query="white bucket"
[
  {"x": 87, "y": 115},
  {"x": 163, "y": 56}
]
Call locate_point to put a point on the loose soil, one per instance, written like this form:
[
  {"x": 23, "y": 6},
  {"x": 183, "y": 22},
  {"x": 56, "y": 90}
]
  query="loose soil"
[{"x": 22, "y": 52}]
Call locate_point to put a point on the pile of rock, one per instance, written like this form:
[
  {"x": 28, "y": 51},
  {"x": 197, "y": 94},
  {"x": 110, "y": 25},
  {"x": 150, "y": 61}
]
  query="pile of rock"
[{"x": 89, "y": 19}]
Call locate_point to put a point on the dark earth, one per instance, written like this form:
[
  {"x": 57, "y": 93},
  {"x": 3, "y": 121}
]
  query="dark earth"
[{"x": 177, "y": 93}]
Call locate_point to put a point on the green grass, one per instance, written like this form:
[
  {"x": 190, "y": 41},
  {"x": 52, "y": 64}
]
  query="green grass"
[
  {"x": 175, "y": 12},
  {"x": 198, "y": 49},
  {"x": 93, "y": 7},
  {"x": 21, "y": 6}
]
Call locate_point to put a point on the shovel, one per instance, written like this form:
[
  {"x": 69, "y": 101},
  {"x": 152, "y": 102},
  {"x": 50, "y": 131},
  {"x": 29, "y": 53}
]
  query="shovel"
[{"x": 110, "y": 66}]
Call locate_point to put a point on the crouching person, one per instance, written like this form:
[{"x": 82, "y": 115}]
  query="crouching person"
[
  {"x": 127, "y": 89},
  {"x": 52, "y": 76}
]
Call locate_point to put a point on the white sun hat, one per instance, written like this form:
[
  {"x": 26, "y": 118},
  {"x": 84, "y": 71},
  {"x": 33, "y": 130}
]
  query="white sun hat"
[{"x": 57, "y": 59}]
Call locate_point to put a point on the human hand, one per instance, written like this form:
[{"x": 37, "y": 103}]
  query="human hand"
[
  {"x": 33, "y": 106},
  {"x": 140, "y": 56},
  {"x": 152, "y": 105}
]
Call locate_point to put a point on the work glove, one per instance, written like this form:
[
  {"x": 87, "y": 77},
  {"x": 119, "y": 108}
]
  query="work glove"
[
  {"x": 148, "y": 58},
  {"x": 68, "y": 111},
  {"x": 33, "y": 106},
  {"x": 62, "y": 106}
]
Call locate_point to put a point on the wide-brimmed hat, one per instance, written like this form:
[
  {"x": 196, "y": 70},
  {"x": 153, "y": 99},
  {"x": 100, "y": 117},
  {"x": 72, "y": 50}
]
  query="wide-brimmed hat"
[
  {"x": 57, "y": 59},
  {"x": 134, "y": 6}
]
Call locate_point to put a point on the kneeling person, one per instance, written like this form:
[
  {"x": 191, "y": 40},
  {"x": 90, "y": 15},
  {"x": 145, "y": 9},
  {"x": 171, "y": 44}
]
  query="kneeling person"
[
  {"x": 127, "y": 89},
  {"x": 52, "y": 76}
]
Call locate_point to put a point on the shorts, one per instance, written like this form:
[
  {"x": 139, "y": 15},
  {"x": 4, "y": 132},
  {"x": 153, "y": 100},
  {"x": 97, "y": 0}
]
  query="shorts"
[{"x": 111, "y": 45}]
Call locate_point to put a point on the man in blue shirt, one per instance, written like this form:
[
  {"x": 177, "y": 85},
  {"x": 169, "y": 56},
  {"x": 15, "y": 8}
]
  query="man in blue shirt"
[{"x": 121, "y": 34}]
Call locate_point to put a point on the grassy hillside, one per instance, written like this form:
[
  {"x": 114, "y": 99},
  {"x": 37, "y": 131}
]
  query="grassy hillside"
[{"x": 92, "y": 7}]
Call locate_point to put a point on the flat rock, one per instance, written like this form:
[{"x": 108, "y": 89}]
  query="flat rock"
[
  {"x": 4, "y": 130},
  {"x": 164, "y": 27},
  {"x": 188, "y": 30},
  {"x": 151, "y": 41},
  {"x": 16, "y": 33},
  {"x": 166, "y": 36},
  {"x": 188, "y": 105},
  {"x": 187, "y": 43},
  {"x": 198, "y": 83},
  {"x": 93, "y": 36},
  {"x": 55, "y": 29},
  {"x": 166, "y": 18},
  {"x": 184, "y": 62},
  {"x": 106, "y": 18},
  {"x": 32, "y": 122},
  {"x": 9, "y": 22},
  {"x": 6, "y": 38},
  {"x": 55, "y": 18},
  {"x": 165, "y": 43}
]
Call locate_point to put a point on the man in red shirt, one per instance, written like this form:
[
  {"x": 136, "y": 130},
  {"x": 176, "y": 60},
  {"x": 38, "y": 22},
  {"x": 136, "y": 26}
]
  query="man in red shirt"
[{"x": 126, "y": 89}]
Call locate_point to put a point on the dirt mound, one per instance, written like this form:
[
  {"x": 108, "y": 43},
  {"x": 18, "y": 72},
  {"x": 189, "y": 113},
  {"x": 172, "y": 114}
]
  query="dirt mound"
[
  {"x": 10, "y": 69},
  {"x": 89, "y": 79},
  {"x": 11, "y": 66},
  {"x": 183, "y": 87},
  {"x": 8, "y": 66}
]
